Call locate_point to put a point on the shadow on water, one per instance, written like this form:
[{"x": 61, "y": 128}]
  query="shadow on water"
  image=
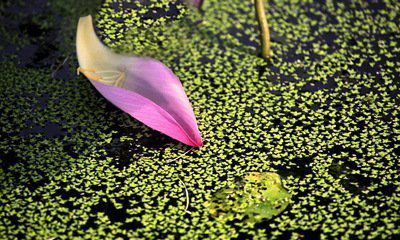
[
  {"x": 125, "y": 153},
  {"x": 37, "y": 32},
  {"x": 28, "y": 23}
]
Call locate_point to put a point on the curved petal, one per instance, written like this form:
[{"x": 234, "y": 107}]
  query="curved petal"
[
  {"x": 154, "y": 81},
  {"x": 92, "y": 53},
  {"x": 143, "y": 87},
  {"x": 145, "y": 111}
]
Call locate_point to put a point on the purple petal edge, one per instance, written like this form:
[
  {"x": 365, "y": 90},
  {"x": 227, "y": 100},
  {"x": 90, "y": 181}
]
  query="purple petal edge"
[{"x": 146, "y": 112}]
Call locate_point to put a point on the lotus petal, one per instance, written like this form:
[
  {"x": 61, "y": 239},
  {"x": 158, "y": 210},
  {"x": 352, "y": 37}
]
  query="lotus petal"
[{"x": 142, "y": 87}]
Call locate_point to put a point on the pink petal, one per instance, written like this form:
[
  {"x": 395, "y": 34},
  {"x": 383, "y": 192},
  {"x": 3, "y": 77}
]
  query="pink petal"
[
  {"x": 152, "y": 94},
  {"x": 144, "y": 88}
]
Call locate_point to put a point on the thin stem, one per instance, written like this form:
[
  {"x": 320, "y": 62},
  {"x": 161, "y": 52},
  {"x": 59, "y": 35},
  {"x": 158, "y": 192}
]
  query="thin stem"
[
  {"x": 59, "y": 66},
  {"x": 264, "y": 29},
  {"x": 200, "y": 4},
  {"x": 185, "y": 153},
  {"x": 195, "y": 3},
  {"x": 187, "y": 196}
]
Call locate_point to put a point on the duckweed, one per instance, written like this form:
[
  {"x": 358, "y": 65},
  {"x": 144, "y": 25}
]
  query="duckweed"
[{"x": 323, "y": 113}]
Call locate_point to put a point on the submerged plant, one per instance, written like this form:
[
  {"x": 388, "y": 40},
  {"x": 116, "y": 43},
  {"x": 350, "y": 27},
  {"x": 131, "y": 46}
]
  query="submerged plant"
[
  {"x": 257, "y": 196},
  {"x": 142, "y": 87}
]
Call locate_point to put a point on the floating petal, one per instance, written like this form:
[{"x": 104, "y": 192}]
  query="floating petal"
[{"x": 142, "y": 87}]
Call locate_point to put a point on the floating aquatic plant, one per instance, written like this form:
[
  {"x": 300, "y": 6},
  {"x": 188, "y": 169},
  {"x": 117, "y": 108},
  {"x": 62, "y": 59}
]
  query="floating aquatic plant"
[
  {"x": 142, "y": 87},
  {"x": 257, "y": 196}
]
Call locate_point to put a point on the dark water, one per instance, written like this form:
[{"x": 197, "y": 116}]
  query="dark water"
[{"x": 43, "y": 46}]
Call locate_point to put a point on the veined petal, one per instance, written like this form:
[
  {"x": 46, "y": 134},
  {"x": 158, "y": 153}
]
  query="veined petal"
[
  {"x": 142, "y": 87},
  {"x": 145, "y": 111}
]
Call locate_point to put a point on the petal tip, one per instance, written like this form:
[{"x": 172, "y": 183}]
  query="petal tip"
[
  {"x": 198, "y": 142},
  {"x": 136, "y": 89}
]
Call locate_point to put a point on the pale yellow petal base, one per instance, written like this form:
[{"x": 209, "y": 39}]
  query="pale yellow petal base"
[{"x": 96, "y": 61}]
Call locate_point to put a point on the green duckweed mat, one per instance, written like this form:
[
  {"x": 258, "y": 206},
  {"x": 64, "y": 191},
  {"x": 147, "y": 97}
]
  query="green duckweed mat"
[{"x": 323, "y": 113}]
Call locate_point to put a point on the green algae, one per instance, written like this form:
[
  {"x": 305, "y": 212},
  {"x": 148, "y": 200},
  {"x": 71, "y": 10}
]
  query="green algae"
[
  {"x": 322, "y": 113},
  {"x": 257, "y": 196}
]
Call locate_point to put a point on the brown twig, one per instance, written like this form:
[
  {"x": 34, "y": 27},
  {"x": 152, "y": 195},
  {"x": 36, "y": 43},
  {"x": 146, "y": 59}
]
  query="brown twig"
[
  {"x": 200, "y": 3},
  {"x": 264, "y": 29}
]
